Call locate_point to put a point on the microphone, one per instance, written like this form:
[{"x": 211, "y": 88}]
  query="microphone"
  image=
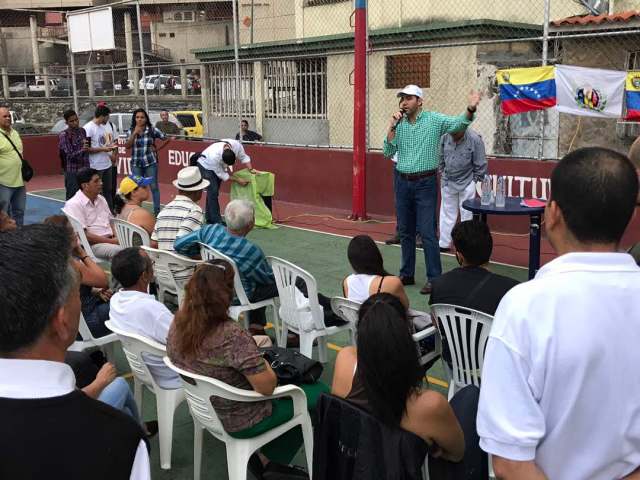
[{"x": 404, "y": 115}]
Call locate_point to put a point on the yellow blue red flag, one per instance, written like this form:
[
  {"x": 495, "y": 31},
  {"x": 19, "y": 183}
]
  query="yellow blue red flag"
[
  {"x": 526, "y": 89},
  {"x": 632, "y": 95}
]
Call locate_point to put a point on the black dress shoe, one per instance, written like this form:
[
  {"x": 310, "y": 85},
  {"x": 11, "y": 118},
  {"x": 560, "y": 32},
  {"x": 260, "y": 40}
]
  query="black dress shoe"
[
  {"x": 407, "y": 280},
  {"x": 426, "y": 290},
  {"x": 395, "y": 240},
  {"x": 445, "y": 250}
]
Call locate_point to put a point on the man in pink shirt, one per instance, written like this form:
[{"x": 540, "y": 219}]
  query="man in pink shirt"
[{"x": 92, "y": 211}]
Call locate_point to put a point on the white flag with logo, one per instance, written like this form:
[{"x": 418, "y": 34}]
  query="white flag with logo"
[{"x": 590, "y": 92}]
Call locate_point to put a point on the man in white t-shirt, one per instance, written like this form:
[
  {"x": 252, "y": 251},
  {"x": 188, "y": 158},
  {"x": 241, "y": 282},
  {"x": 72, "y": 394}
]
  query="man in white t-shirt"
[
  {"x": 133, "y": 310},
  {"x": 560, "y": 395},
  {"x": 215, "y": 163},
  {"x": 102, "y": 152}
]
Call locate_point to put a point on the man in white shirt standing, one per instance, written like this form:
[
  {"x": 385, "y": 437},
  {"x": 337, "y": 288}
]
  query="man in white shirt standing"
[
  {"x": 560, "y": 395},
  {"x": 133, "y": 310},
  {"x": 215, "y": 164},
  {"x": 52, "y": 429},
  {"x": 102, "y": 149}
]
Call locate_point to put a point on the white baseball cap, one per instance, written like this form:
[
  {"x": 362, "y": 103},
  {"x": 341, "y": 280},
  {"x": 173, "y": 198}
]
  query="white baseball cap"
[{"x": 414, "y": 90}]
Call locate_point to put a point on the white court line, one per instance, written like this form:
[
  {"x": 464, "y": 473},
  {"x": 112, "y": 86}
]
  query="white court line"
[
  {"x": 382, "y": 243},
  {"x": 298, "y": 228}
]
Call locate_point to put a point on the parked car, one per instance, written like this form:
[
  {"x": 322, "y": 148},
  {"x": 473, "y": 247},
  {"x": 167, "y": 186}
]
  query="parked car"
[
  {"x": 122, "y": 121},
  {"x": 191, "y": 120},
  {"x": 16, "y": 118},
  {"x": 19, "y": 88},
  {"x": 128, "y": 84},
  {"x": 102, "y": 87},
  {"x": 61, "y": 125},
  {"x": 64, "y": 87},
  {"x": 39, "y": 85},
  {"x": 161, "y": 82}
]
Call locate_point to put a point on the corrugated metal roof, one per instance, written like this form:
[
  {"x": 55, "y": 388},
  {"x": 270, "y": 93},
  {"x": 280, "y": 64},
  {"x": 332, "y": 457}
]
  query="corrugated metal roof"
[{"x": 620, "y": 17}]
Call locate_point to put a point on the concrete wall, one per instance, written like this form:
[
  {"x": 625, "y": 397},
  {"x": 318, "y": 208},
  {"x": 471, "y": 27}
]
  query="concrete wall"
[
  {"x": 272, "y": 21},
  {"x": 453, "y": 75},
  {"x": 288, "y": 19},
  {"x": 192, "y": 35}
]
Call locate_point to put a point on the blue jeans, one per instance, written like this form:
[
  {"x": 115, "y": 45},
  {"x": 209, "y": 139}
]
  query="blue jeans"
[
  {"x": 150, "y": 171},
  {"x": 119, "y": 396},
  {"x": 106, "y": 176},
  {"x": 70, "y": 184},
  {"x": 416, "y": 209},
  {"x": 13, "y": 201},
  {"x": 212, "y": 210}
]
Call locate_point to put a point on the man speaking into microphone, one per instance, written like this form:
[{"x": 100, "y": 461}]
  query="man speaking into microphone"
[{"x": 414, "y": 135}]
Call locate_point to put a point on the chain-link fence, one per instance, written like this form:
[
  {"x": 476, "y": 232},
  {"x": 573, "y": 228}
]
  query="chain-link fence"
[{"x": 292, "y": 73}]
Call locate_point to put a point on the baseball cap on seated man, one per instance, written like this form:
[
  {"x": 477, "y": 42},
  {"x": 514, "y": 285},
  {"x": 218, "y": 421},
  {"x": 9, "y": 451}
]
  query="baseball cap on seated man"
[
  {"x": 130, "y": 183},
  {"x": 414, "y": 90}
]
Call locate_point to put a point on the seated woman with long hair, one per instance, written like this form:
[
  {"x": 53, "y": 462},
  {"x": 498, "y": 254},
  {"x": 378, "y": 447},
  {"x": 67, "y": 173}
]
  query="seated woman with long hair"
[
  {"x": 94, "y": 287},
  {"x": 369, "y": 275},
  {"x": 127, "y": 205},
  {"x": 383, "y": 376},
  {"x": 204, "y": 340}
]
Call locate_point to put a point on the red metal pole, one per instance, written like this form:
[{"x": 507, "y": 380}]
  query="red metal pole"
[{"x": 358, "y": 204}]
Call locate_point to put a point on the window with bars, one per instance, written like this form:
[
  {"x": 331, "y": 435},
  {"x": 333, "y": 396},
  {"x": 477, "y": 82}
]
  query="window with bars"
[
  {"x": 224, "y": 90},
  {"x": 295, "y": 88},
  {"x": 410, "y": 68}
]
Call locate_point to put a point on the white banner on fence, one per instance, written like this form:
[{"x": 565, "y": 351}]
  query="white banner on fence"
[{"x": 590, "y": 92}]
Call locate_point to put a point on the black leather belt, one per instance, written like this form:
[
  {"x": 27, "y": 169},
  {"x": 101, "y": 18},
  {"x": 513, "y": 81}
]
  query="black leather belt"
[{"x": 418, "y": 175}]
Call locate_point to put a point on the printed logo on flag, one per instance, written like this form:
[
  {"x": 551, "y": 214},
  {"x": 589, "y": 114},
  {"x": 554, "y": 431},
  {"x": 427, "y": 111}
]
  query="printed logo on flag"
[{"x": 591, "y": 99}]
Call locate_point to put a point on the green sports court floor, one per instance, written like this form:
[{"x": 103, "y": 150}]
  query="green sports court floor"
[{"x": 324, "y": 256}]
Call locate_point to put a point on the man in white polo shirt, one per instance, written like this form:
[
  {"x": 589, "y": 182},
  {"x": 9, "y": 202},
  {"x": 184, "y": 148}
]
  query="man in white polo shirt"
[
  {"x": 133, "y": 310},
  {"x": 215, "y": 163},
  {"x": 560, "y": 395}
]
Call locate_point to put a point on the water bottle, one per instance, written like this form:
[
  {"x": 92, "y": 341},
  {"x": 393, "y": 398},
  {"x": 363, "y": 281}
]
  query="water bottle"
[
  {"x": 485, "y": 196},
  {"x": 500, "y": 192}
]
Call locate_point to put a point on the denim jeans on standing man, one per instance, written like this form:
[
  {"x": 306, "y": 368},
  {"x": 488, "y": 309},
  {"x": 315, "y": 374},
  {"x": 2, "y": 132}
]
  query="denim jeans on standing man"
[
  {"x": 106, "y": 176},
  {"x": 13, "y": 201},
  {"x": 416, "y": 202},
  {"x": 150, "y": 171},
  {"x": 212, "y": 213}
]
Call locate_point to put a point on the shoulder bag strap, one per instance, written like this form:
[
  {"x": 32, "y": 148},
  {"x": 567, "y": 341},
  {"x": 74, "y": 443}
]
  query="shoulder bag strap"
[{"x": 13, "y": 145}]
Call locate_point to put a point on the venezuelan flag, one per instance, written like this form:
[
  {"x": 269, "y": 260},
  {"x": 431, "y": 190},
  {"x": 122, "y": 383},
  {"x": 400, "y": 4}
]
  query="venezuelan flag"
[
  {"x": 632, "y": 95},
  {"x": 526, "y": 89}
]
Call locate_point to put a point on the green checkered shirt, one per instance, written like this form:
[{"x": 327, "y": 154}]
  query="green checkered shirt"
[{"x": 418, "y": 144}]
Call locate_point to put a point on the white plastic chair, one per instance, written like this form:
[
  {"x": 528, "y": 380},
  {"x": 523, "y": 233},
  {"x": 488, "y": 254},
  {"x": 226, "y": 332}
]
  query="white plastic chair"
[
  {"x": 165, "y": 263},
  {"x": 199, "y": 389},
  {"x": 466, "y": 332},
  {"x": 286, "y": 274},
  {"x": 348, "y": 310},
  {"x": 133, "y": 346},
  {"x": 126, "y": 232},
  {"x": 209, "y": 253},
  {"x": 79, "y": 229},
  {"x": 105, "y": 343}
]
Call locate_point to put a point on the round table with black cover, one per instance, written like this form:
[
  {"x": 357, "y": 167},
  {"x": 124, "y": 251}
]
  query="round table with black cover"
[{"x": 513, "y": 207}]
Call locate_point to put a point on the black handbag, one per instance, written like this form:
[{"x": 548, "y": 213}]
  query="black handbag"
[
  {"x": 290, "y": 366},
  {"x": 27, "y": 169}
]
